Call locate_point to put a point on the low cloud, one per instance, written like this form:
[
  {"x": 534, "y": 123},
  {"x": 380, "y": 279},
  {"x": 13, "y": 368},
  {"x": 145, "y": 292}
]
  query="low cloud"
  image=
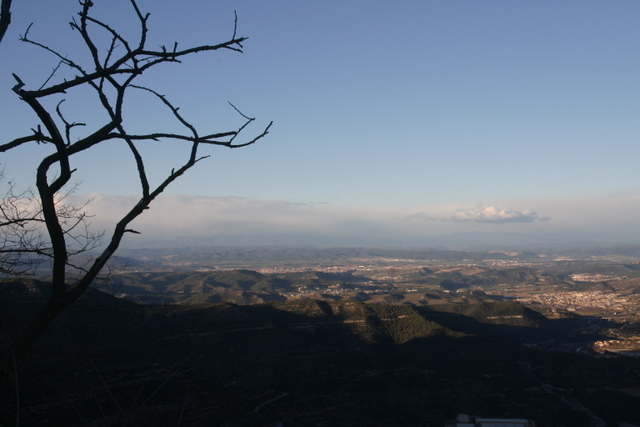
[
  {"x": 493, "y": 214},
  {"x": 172, "y": 216},
  {"x": 240, "y": 220}
]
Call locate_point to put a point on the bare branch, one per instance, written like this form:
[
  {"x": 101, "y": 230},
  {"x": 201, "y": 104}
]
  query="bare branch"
[
  {"x": 235, "y": 25},
  {"x": 63, "y": 60},
  {"x": 173, "y": 109},
  {"x": 20, "y": 236},
  {"x": 142, "y": 174},
  {"x": 264, "y": 133},
  {"x": 86, "y": 5},
  {"x": 5, "y": 17},
  {"x": 37, "y": 136},
  {"x": 147, "y": 58},
  {"x": 207, "y": 139},
  {"x": 59, "y": 231},
  {"x": 53, "y": 73},
  {"x": 67, "y": 126}
]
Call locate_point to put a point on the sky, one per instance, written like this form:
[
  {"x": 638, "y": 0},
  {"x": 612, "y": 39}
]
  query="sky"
[{"x": 395, "y": 122}]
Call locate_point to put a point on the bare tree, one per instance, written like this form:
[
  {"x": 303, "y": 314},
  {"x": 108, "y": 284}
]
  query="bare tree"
[
  {"x": 111, "y": 72},
  {"x": 23, "y": 242}
]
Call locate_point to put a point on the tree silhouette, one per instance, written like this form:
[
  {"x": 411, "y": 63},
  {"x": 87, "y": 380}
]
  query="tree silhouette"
[
  {"x": 5, "y": 17},
  {"x": 23, "y": 244},
  {"x": 109, "y": 74}
]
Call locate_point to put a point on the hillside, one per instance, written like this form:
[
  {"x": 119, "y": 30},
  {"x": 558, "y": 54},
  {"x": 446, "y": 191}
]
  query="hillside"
[
  {"x": 248, "y": 286},
  {"x": 305, "y": 363},
  {"x": 191, "y": 258}
]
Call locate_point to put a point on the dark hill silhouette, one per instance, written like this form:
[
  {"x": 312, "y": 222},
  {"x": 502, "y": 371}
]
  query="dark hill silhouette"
[{"x": 108, "y": 361}]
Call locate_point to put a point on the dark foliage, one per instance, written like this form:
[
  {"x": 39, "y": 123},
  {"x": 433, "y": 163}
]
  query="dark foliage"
[{"x": 303, "y": 363}]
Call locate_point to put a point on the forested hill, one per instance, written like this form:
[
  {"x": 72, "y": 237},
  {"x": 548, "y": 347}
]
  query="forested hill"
[{"x": 304, "y": 363}]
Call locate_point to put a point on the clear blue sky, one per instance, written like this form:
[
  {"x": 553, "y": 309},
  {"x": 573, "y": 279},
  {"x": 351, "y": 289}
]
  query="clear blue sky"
[{"x": 471, "y": 115}]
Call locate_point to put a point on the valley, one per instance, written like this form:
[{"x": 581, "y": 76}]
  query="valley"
[
  {"x": 604, "y": 285},
  {"x": 348, "y": 337}
]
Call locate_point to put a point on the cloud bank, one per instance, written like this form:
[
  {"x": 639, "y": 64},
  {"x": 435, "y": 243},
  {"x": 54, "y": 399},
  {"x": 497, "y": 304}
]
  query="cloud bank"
[
  {"x": 237, "y": 220},
  {"x": 492, "y": 214}
]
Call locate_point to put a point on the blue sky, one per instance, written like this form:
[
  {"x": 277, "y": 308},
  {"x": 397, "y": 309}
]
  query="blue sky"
[{"x": 398, "y": 119}]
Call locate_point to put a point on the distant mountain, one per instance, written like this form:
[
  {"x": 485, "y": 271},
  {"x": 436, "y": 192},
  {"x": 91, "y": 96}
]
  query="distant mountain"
[{"x": 465, "y": 241}]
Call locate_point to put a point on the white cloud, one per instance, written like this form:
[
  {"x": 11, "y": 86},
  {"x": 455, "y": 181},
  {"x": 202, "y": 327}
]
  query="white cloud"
[{"x": 493, "y": 214}]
